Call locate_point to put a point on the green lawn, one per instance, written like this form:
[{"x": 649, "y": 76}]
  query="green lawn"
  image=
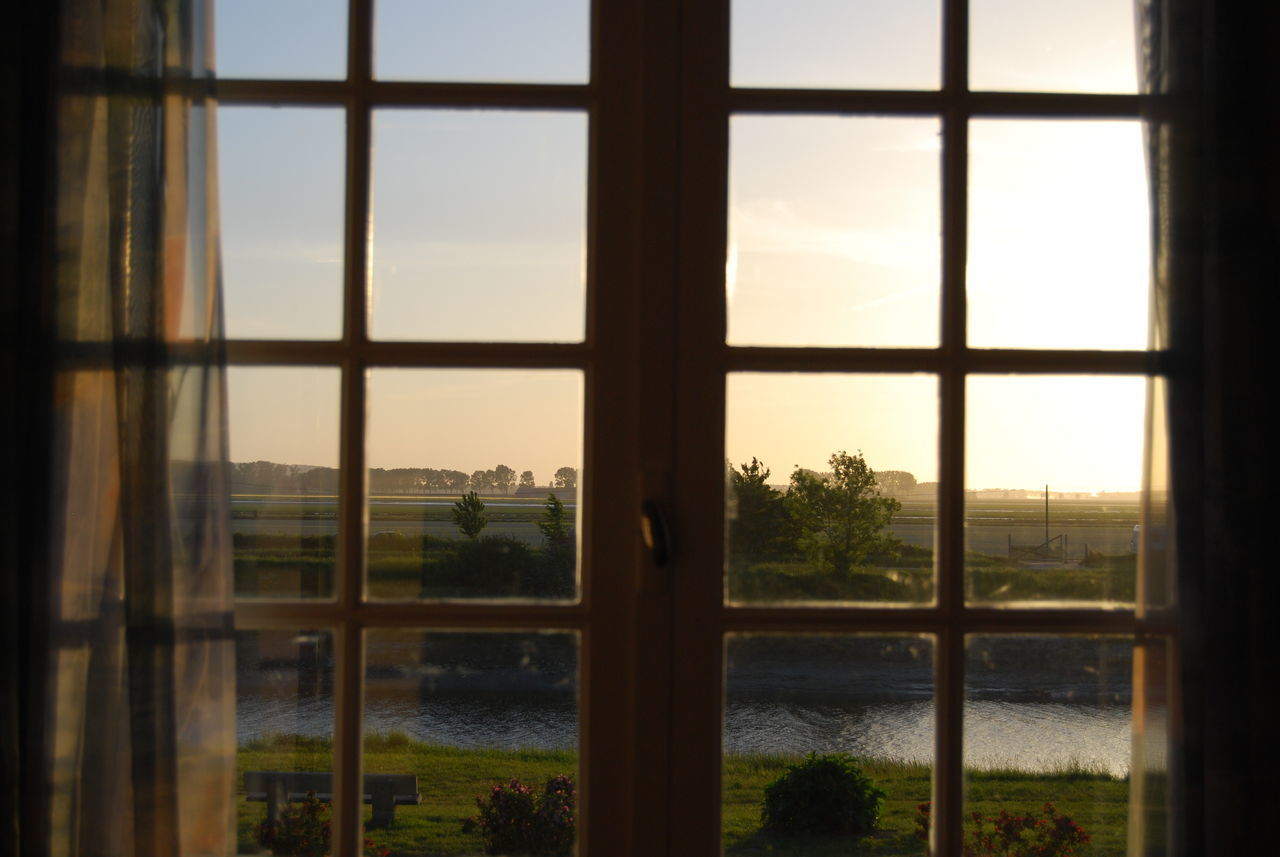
[{"x": 450, "y": 778}]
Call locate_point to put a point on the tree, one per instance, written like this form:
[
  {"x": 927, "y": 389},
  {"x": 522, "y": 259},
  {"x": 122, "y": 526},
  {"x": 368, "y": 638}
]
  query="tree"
[
  {"x": 760, "y": 526},
  {"x": 526, "y": 479},
  {"x": 841, "y": 516},
  {"x": 555, "y": 525},
  {"x": 469, "y": 515},
  {"x": 504, "y": 478},
  {"x": 481, "y": 480},
  {"x": 566, "y": 477},
  {"x": 895, "y": 483}
]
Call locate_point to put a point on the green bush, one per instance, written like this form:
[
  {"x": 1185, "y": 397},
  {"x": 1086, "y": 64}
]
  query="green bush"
[{"x": 822, "y": 794}]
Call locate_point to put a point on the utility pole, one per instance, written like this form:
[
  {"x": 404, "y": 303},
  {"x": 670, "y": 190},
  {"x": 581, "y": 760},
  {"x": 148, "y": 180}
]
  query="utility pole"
[{"x": 1046, "y": 513}]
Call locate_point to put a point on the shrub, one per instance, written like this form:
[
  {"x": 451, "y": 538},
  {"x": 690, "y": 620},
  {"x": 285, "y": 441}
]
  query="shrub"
[
  {"x": 1050, "y": 834},
  {"x": 303, "y": 831},
  {"x": 513, "y": 820},
  {"x": 822, "y": 794}
]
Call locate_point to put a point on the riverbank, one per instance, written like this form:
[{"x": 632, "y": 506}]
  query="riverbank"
[{"x": 450, "y": 778}]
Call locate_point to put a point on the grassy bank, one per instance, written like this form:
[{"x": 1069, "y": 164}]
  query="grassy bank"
[{"x": 450, "y": 778}]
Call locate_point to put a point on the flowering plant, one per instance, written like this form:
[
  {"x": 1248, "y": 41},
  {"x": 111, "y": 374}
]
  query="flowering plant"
[
  {"x": 1049, "y": 834},
  {"x": 514, "y": 820}
]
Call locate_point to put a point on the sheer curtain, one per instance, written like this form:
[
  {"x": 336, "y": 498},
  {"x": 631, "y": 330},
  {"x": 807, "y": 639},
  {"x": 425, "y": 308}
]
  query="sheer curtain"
[{"x": 139, "y": 705}]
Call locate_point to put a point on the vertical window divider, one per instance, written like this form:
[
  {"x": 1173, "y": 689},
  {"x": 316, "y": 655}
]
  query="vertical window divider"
[
  {"x": 948, "y": 785},
  {"x": 348, "y": 705}
]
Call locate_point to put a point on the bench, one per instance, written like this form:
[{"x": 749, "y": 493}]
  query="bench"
[{"x": 384, "y": 791}]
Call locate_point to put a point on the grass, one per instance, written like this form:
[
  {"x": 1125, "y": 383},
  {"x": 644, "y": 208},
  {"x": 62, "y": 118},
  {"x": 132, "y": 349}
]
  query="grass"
[{"x": 450, "y": 778}]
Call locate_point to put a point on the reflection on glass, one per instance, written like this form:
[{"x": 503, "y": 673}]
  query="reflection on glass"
[
  {"x": 870, "y": 697},
  {"x": 479, "y": 225},
  {"x": 502, "y": 41},
  {"x": 1051, "y": 46},
  {"x": 1155, "y": 534},
  {"x": 464, "y": 712},
  {"x": 817, "y": 43},
  {"x": 1054, "y": 467},
  {"x": 1059, "y": 246},
  {"x": 1047, "y": 720},
  {"x": 830, "y": 489},
  {"x": 284, "y": 728},
  {"x": 283, "y": 480},
  {"x": 280, "y": 193},
  {"x": 833, "y": 231},
  {"x": 473, "y": 483},
  {"x": 281, "y": 39}
]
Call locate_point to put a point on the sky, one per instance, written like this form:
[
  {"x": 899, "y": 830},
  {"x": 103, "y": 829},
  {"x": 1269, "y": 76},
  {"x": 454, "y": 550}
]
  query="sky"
[{"x": 479, "y": 223}]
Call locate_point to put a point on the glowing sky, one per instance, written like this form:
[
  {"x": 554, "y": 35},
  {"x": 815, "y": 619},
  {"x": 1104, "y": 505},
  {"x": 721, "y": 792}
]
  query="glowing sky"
[{"x": 479, "y": 233}]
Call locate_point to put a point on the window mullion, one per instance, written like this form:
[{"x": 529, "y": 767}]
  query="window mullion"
[{"x": 349, "y": 636}]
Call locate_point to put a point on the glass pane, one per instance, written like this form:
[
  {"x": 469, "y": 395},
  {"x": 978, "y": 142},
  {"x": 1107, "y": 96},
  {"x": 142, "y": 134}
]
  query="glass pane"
[
  {"x": 473, "y": 483},
  {"x": 854, "y": 519},
  {"x": 284, "y": 735},
  {"x": 833, "y": 231},
  {"x": 1053, "y": 46},
  {"x": 1154, "y": 536},
  {"x": 281, "y": 196},
  {"x": 1047, "y": 722},
  {"x": 1059, "y": 245},
  {"x": 502, "y": 41},
  {"x": 479, "y": 225},
  {"x": 870, "y": 697},
  {"x": 283, "y": 480},
  {"x": 1054, "y": 467},
  {"x": 281, "y": 39},
  {"x": 462, "y": 714},
  {"x": 824, "y": 44}
]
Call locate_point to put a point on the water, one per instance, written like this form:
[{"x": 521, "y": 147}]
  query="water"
[{"x": 1005, "y": 729}]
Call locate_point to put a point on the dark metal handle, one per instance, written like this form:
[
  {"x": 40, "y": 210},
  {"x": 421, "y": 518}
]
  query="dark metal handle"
[{"x": 657, "y": 537}]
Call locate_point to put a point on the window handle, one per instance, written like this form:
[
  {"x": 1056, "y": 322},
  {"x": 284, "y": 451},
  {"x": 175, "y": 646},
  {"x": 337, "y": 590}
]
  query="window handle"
[{"x": 657, "y": 537}]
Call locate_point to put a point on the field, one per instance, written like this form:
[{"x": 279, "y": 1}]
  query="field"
[
  {"x": 285, "y": 546},
  {"x": 450, "y": 779}
]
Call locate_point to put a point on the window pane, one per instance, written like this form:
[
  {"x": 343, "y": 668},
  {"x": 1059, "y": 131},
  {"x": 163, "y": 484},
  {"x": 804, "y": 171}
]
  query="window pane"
[
  {"x": 514, "y": 439},
  {"x": 281, "y": 197},
  {"x": 1047, "y": 721},
  {"x": 284, "y": 732},
  {"x": 833, "y": 231},
  {"x": 464, "y": 712},
  {"x": 848, "y": 515},
  {"x": 1053, "y": 46},
  {"x": 504, "y": 41},
  {"x": 479, "y": 225},
  {"x": 1059, "y": 248},
  {"x": 284, "y": 480},
  {"x": 825, "y": 44},
  {"x": 1080, "y": 440},
  {"x": 281, "y": 39},
  {"x": 870, "y": 697}
]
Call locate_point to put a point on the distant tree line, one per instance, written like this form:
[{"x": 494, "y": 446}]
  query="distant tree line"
[{"x": 268, "y": 477}]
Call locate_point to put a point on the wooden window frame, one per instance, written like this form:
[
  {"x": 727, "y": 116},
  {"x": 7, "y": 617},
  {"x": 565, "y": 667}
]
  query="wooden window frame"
[{"x": 654, "y": 353}]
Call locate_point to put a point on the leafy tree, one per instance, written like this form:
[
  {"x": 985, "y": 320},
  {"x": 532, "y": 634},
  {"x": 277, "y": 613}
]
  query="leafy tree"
[
  {"x": 526, "y": 479},
  {"x": 555, "y": 525},
  {"x": 761, "y": 526},
  {"x": 566, "y": 477},
  {"x": 840, "y": 516},
  {"x": 481, "y": 480},
  {"x": 504, "y": 478},
  {"x": 469, "y": 515},
  {"x": 895, "y": 483}
]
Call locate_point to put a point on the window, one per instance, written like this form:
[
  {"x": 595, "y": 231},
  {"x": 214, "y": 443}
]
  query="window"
[{"x": 638, "y": 150}]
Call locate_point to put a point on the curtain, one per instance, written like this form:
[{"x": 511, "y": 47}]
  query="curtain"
[{"x": 138, "y": 702}]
